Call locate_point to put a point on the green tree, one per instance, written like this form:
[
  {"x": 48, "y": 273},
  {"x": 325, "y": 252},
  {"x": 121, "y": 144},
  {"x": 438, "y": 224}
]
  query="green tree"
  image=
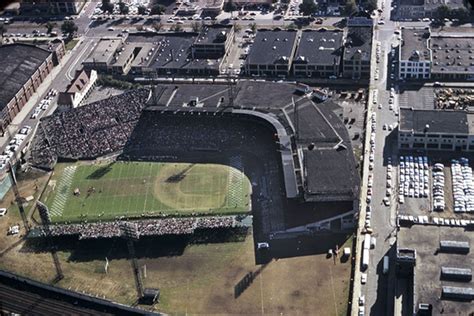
[
  {"x": 350, "y": 7},
  {"x": 308, "y": 7},
  {"x": 291, "y": 26},
  {"x": 107, "y": 6},
  {"x": 253, "y": 27},
  {"x": 158, "y": 9},
  {"x": 50, "y": 26},
  {"x": 69, "y": 28},
  {"x": 237, "y": 27},
  {"x": 442, "y": 12},
  {"x": 141, "y": 10},
  {"x": 230, "y": 6}
]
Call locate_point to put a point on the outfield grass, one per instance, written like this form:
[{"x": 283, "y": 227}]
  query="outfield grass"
[{"x": 133, "y": 189}]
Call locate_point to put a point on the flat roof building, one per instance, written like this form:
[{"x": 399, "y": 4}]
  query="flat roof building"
[
  {"x": 213, "y": 41},
  {"x": 51, "y": 6},
  {"x": 318, "y": 54},
  {"x": 357, "y": 52},
  {"x": 453, "y": 56},
  {"x": 436, "y": 130},
  {"x": 414, "y": 54},
  {"x": 271, "y": 53}
]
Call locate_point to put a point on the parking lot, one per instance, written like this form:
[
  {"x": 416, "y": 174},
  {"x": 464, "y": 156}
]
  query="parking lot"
[{"x": 445, "y": 186}]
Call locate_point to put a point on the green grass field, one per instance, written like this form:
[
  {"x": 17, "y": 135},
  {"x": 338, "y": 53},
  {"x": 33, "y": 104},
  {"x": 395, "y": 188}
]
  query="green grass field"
[{"x": 135, "y": 188}]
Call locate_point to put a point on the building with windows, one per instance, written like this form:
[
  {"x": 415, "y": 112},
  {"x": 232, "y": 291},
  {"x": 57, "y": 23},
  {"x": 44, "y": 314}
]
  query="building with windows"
[
  {"x": 23, "y": 68},
  {"x": 272, "y": 53},
  {"x": 414, "y": 54},
  {"x": 418, "y": 9},
  {"x": 77, "y": 91},
  {"x": 318, "y": 54},
  {"x": 357, "y": 51},
  {"x": 51, "y": 6},
  {"x": 213, "y": 41},
  {"x": 436, "y": 130}
]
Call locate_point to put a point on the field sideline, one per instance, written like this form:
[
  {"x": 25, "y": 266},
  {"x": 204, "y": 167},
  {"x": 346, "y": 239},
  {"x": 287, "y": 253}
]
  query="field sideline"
[{"x": 92, "y": 191}]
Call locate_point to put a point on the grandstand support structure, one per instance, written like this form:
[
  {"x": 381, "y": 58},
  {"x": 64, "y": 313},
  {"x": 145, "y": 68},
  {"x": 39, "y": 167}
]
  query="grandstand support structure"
[
  {"x": 130, "y": 233},
  {"x": 18, "y": 198},
  {"x": 46, "y": 221}
]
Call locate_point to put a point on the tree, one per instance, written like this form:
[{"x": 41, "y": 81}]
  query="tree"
[
  {"x": 370, "y": 5},
  {"x": 196, "y": 27},
  {"x": 177, "y": 28},
  {"x": 3, "y": 30},
  {"x": 107, "y": 6},
  {"x": 141, "y": 10},
  {"x": 350, "y": 7},
  {"x": 291, "y": 26},
  {"x": 230, "y": 6},
  {"x": 50, "y": 26},
  {"x": 461, "y": 13},
  {"x": 253, "y": 27},
  {"x": 442, "y": 12},
  {"x": 158, "y": 26},
  {"x": 123, "y": 8},
  {"x": 308, "y": 7},
  {"x": 69, "y": 28},
  {"x": 157, "y": 9},
  {"x": 237, "y": 27}
]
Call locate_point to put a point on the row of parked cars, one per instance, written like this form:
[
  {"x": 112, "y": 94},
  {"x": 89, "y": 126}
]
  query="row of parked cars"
[
  {"x": 13, "y": 146},
  {"x": 438, "y": 187},
  {"x": 463, "y": 185},
  {"x": 414, "y": 176},
  {"x": 388, "y": 184},
  {"x": 44, "y": 104},
  {"x": 371, "y": 155}
]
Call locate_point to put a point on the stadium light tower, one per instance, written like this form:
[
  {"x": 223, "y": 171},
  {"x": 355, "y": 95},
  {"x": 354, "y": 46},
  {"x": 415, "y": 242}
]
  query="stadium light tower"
[
  {"x": 130, "y": 233},
  {"x": 18, "y": 198},
  {"x": 46, "y": 221}
]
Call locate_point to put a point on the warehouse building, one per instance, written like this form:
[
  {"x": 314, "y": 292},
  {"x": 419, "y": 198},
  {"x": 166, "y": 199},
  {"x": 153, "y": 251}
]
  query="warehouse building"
[
  {"x": 272, "y": 53},
  {"x": 436, "y": 130},
  {"x": 318, "y": 54},
  {"x": 357, "y": 51},
  {"x": 414, "y": 54},
  {"x": 51, "y": 6},
  {"x": 23, "y": 68}
]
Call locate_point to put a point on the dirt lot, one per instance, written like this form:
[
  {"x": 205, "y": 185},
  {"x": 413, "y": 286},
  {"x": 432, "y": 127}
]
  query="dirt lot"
[{"x": 201, "y": 279}]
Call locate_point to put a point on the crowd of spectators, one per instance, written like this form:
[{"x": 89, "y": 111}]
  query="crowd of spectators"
[
  {"x": 89, "y": 131},
  {"x": 164, "y": 132},
  {"x": 149, "y": 227}
]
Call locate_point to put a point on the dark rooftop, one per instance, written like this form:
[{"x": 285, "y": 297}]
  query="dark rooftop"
[
  {"x": 452, "y": 54},
  {"x": 321, "y": 47},
  {"x": 428, "y": 283},
  {"x": 272, "y": 47},
  {"x": 213, "y": 34},
  {"x": 359, "y": 39},
  {"x": 438, "y": 121},
  {"x": 415, "y": 44},
  {"x": 18, "y": 62}
]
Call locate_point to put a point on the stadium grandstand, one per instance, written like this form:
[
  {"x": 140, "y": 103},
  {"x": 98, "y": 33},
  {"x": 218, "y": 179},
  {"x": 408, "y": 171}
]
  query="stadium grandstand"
[{"x": 296, "y": 153}]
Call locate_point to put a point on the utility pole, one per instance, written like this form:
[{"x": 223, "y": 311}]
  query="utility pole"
[
  {"x": 46, "y": 221},
  {"x": 18, "y": 198}
]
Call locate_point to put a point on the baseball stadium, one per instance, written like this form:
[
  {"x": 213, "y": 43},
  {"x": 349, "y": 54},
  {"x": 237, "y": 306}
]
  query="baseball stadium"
[{"x": 174, "y": 159}]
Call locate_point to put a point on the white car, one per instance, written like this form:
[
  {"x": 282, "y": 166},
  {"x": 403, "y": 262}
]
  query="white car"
[
  {"x": 3, "y": 211},
  {"x": 363, "y": 278},
  {"x": 386, "y": 201},
  {"x": 14, "y": 230}
]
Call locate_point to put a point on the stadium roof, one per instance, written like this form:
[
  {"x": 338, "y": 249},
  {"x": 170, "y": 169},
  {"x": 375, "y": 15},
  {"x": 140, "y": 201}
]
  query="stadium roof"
[
  {"x": 272, "y": 47},
  {"x": 18, "y": 62},
  {"x": 435, "y": 121},
  {"x": 323, "y": 47},
  {"x": 415, "y": 44}
]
